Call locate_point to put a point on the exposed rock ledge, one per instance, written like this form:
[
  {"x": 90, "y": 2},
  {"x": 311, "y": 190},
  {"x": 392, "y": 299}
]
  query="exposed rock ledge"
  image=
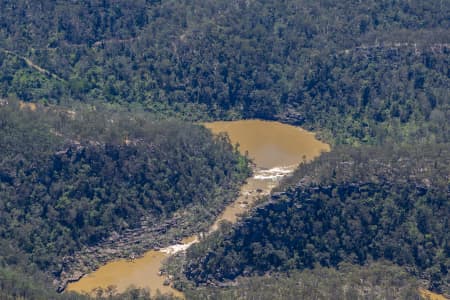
[{"x": 130, "y": 244}]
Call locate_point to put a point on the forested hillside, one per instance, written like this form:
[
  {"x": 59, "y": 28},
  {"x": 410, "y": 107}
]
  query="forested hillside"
[
  {"x": 375, "y": 281},
  {"x": 350, "y": 205},
  {"x": 367, "y": 67},
  {"x": 108, "y": 149},
  {"x": 71, "y": 179}
]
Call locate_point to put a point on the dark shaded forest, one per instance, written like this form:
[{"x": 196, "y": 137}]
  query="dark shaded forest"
[
  {"x": 349, "y": 282},
  {"x": 350, "y": 205}
]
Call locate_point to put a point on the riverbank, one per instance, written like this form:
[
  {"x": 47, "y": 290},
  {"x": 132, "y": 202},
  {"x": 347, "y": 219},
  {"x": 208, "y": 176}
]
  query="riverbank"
[
  {"x": 276, "y": 149},
  {"x": 144, "y": 269}
]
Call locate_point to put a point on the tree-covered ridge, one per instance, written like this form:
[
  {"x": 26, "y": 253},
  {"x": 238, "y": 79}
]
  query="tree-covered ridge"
[
  {"x": 352, "y": 205},
  {"x": 374, "y": 281},
  {"x": 421, "y": 165},
  {"x": 70, "y": 179},
  {"x": 49, "y": 24},
  {"x": 375, "y": 68}
]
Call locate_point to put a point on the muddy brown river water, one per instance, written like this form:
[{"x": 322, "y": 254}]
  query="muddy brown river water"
[{"x": 276, "y": 150}]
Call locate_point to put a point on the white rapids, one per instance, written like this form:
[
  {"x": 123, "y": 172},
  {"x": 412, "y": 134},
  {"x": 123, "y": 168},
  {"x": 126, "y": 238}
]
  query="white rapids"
[
  {"x": 172, "y": 249},
  {"x": 274, "y": 174}
]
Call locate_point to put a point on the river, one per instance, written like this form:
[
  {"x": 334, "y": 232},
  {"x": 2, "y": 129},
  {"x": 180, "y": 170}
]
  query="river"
[{"x": 276, "y": 149}]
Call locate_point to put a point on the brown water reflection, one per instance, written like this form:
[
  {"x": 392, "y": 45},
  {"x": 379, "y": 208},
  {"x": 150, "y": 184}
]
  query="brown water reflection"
[{"x": 271, "y": 144}]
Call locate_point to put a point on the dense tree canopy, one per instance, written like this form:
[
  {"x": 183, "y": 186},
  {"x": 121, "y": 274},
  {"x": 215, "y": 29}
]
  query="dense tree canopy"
[
  {"x": 375, "y": 281},
  {"x": 371, "y": 72},
  {"x": 68, "y": 182},
  {"x": 349, "y": 205},
  {"x": 365, "y": 66}
]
